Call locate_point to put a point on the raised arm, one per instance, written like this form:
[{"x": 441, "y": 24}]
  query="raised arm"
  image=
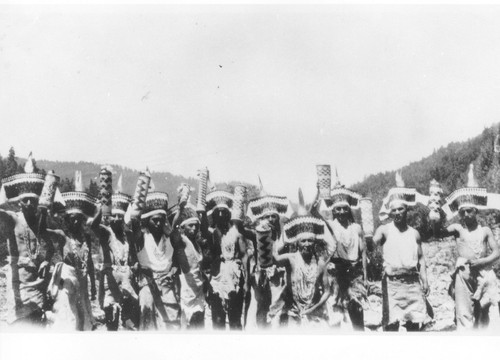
[
  {"x": 55, "y": 237},
  {"x": 177, "y": 218},
  {"x": 7, "y": 218},
  {"x": 7, "y": 225},
  {"x": 243, "y": 256},
  {"x": 439, "y": 231},
  {"x": 279, "y": 259},
  {"x": 96, "y": 221},
  {"x": 204, "y": 226},
  {"x": 246, "y": 232}
]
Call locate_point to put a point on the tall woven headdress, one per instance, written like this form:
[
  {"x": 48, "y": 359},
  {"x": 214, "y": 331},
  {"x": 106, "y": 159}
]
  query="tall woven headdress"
[
  {"x": 304, "y": 225},
  {"x": 20, "y": 186}
]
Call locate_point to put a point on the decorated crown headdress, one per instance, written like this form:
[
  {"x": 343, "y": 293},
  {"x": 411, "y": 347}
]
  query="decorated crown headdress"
[
  {"x": 304, "y": 225},
  {"x": 219, "y": 199},
  {"x": 79, "y": 201},
  {"x": 268, "y": 204},
  {"x": 119, "y": 200},
  {"x": 408, "y": 196},
  {"x": 340, "y": 196},
  {"x": 20, "y": 186},
  {"x": 470, "y": 196},
  {"x": 156, "y": 203},
  {"x": 188, "y": 214}
]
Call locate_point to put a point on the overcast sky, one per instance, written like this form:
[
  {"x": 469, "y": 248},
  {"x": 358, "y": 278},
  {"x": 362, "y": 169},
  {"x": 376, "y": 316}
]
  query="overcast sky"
[{"x": 247, "y": 90}]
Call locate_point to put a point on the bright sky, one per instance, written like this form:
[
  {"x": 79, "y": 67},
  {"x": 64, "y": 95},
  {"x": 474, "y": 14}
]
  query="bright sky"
[{"x": 247, "y": 90}]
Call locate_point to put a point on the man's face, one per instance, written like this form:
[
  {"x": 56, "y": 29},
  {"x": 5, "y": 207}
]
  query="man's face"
[
  {"x": 468, "y": 214},
  {"x": 116, "y": 221},
  {"x": 341, "y": 212},
  {"x": 221, "y": 216},
  {"x": 29, "y": 204},
  {"x": 75, "y": 221},
  {"x": 191, "y": 229},
  {"x": 306, "y": 247},
  {"x": 398, "y": 212},
  {"x": 156, "y": 222},
  {"x": 272, "y": 219}
]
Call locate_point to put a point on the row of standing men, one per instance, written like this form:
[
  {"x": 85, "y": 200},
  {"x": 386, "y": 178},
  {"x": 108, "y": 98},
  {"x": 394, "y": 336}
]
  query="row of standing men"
[{"x": 167, "y": 268}]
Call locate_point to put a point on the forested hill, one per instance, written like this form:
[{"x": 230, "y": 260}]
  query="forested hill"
[
  {"x": 448, "y": 165},
  {"x": 163, "y": 181}
]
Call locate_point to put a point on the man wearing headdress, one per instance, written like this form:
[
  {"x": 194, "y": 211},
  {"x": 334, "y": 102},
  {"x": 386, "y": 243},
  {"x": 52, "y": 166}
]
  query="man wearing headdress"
[
  {"x": 349, "y": 258},
  {"x": 69, "y": 284},
  {"x": 404, "y": 282},
  {"x": 117, "y": 296},
  {"x": 474, "y": 284},
  {"x": 307, "y": 273},
  {"x": 29, "y": 251},
  {"x": 157, "y": 269},
  {"x": 229, "y": 279},
  {"x": 186, "y": 230},
  {"x": 268, "y": 280}
]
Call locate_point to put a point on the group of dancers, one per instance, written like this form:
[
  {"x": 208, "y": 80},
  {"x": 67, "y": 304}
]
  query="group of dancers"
[{"x": 225, "y": 261}]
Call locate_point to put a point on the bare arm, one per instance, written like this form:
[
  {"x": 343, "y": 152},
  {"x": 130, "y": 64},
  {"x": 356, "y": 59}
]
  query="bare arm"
[
  {"x": 280, "y": 259},
  {"x": 362, "y": 249},
  {"x": 91, "y": 272},
  {"x": 96, "y": 221},
  {"x": 247, "y": 233},
  {"x": 440, "y": 232},
  {"x": 378, "y": 238},
  {"x": 177, "y": 218},
  {"x": 491, "y": 258},
  {"x": 243, "y": 255},
  {"x": 56, "y": 237},
  {"x": 7, "y": 218},
  {"x": 422, "y": 265},
  {"x": 204, "y": 227},
  {"x": 7, "y": 225}
]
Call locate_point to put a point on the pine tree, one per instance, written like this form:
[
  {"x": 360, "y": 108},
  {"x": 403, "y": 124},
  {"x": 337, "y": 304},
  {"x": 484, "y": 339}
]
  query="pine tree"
[
  {"x": 11, "y": 164},
  {"x": 67, "y": 185},
  {"x": 93, "y": 189},
  {"x": 2, "y": 167}
]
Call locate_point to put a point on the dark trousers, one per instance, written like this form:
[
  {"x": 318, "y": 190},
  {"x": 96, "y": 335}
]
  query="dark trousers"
[
  {"x": 197, "y": 321},
  {"x": 233, "y": 314}
]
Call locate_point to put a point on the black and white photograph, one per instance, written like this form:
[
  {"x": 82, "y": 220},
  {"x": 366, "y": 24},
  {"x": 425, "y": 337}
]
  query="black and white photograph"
[{"x": 271, "y": 169}]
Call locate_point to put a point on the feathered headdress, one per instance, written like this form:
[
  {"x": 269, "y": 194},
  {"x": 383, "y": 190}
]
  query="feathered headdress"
[{"x": 304, "y": 225}]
